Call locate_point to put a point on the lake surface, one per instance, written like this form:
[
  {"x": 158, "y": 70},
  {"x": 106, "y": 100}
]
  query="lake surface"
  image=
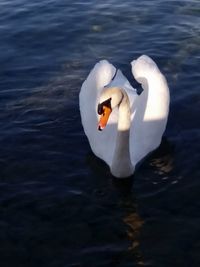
[{"x": 59, "y": 206}]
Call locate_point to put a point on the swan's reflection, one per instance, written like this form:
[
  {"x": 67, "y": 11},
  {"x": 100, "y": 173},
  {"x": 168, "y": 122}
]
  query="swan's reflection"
[
  {"x": 131, "y": 218},
  {"x": 134, "y": 221},
  {"x": 126, "y": 206}
]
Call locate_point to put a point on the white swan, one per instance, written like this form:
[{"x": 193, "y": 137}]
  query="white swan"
[{"x": 134, "y": 124}]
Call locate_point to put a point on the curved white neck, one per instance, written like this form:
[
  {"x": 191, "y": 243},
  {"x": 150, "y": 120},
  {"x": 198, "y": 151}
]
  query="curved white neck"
[{"x": 121, "y": 164}]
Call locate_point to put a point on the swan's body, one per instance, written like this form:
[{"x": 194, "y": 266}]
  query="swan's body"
[{"x": 135, "y": 128}]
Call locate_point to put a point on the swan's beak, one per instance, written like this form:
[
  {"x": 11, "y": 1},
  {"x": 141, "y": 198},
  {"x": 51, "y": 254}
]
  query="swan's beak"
[{"x": 104, "y": 118}]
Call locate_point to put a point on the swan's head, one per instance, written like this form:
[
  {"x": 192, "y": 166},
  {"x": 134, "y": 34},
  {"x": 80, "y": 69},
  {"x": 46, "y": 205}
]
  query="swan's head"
[{"x": 109, "y": 99}]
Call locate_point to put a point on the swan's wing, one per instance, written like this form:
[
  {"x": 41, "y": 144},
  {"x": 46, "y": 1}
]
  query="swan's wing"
[
  {"x": 102, "y": 143},
  {"x": 151, "y": 109},
  {"x": 102, "y": 75}
]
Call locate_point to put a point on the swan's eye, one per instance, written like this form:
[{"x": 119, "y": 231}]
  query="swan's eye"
[{"x": 100, "y": 108}]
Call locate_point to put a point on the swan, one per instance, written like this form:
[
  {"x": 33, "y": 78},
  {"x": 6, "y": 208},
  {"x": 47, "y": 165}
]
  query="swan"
[{"x": 122, "y": 126}]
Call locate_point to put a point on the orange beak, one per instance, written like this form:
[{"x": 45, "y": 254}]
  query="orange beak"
[{"x": 104, "y": 117}]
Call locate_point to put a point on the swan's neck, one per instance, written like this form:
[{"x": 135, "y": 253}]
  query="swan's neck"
[{"x": 121, "y": 164}]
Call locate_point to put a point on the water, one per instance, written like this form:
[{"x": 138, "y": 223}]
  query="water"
[{"x": 59, "y": 206}]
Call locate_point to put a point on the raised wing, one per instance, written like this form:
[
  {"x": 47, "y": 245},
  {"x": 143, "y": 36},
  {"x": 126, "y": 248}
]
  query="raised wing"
[
  {"x": 102, "y": 143},
  {"x": 102, "y": 75}
]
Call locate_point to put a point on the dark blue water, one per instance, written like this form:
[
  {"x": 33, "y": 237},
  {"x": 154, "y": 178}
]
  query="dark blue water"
[{"x": 59, "y": 206}]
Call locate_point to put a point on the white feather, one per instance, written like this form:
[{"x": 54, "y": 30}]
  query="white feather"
[{"x": 149, "y": 110}]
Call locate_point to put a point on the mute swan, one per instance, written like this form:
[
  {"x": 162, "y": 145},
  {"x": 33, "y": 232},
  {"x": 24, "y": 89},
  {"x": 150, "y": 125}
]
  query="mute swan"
[{"x": 123, "y": 127}]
